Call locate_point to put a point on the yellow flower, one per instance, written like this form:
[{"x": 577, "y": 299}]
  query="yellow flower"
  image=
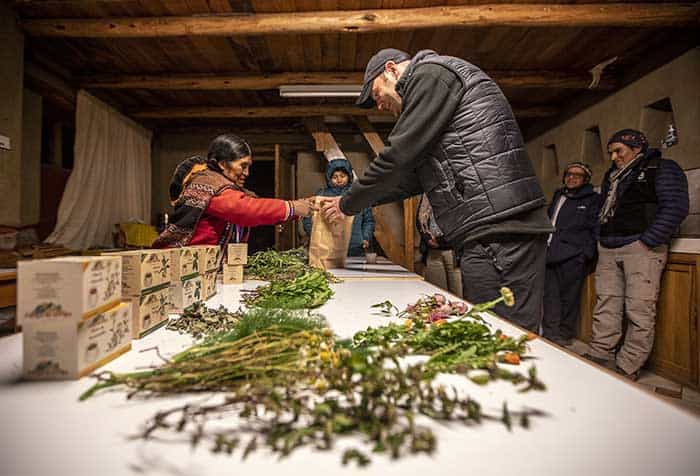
[
  {"x": 408, "y": 323},
  {"x": 508, "y": 297},
  {"x": 321, "y": 385}
]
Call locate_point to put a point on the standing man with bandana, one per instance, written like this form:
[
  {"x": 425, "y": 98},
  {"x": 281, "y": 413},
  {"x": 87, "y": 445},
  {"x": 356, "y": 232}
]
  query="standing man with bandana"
[
  {"x": 645, "y": 200},
  {"x": 457, "y": 141}
]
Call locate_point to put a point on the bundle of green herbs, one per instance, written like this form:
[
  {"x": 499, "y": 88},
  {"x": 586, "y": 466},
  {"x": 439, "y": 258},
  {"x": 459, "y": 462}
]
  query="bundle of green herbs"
[
  {"x": 272, "y": 265},
  {"x": 307, "y": 291},
  {"x": 454, "y": 336}
]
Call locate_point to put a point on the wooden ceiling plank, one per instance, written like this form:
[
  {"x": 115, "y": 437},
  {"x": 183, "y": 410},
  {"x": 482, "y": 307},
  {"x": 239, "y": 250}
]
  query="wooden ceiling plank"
[
  {"x": 375, "y": 20},
  {"x": 222, "y": 112},
  {"x": 509, "y": 79}
]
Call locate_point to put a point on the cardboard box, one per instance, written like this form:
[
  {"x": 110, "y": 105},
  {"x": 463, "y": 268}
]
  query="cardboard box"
[
  {"x": 184, "y": 263},
  {"x": 69, "y": 288},
  {"x": 64, "y": 349},
  {"x": 237, "y": 253},
  {"x": 208, "y": 257},
  {"x": 143, "y": 270},
  {"x": 149, "y": 311},
  {"x": 233, "y": 274},
  {"x": 185, "y": 293},
  {"x": 208, "y": 284}
]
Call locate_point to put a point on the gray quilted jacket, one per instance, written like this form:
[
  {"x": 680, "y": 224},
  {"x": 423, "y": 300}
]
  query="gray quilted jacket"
[{"x": 456, "y": 140}]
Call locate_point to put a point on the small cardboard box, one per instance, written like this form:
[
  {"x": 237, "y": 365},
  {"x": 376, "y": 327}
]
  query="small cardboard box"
[
  {"x": 233, "y": 274},
  {"x": 60, "y": 349},
  {"x": 208, "y": 284},
  {"x": 208, "y": 257},
  {"x": 237, "y": 253},
  {"x": 143, "y": 270},
  {"x": 149, "y": 311},
  {"x": 184, "y": 263},
  {"x": 185, "y": 293},
  {"x": 69, "y": 288}
]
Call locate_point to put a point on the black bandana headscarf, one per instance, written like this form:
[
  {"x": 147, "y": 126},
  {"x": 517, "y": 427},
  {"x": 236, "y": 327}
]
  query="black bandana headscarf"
[{"x": 631, "y": 138}]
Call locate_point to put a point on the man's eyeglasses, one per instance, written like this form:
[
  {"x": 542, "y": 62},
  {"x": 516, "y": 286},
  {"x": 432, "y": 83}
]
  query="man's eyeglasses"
[{"x": 575, "y": 174}]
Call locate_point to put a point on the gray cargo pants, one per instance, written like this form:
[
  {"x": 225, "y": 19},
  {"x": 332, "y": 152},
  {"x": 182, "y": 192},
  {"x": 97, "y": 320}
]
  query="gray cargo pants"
[
  {"x": 441, "y": 271},
  {"x": 627, "y": 282}
]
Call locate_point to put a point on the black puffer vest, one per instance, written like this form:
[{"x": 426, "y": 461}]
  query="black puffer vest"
[
  {"x": 637, "y": 201},
  {"x": 478, "y": 172}
]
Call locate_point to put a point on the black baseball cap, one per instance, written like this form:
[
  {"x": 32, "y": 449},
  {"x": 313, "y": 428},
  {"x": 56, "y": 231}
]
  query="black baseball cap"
[{"x": 375, "y": 66}]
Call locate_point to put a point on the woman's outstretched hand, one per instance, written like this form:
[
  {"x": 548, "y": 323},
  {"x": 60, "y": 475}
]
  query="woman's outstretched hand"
[{"x": 304, "y": 207}]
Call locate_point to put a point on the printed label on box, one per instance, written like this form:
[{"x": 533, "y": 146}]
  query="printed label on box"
[
  {"x": 237, "y": 253},
  {"x": 208, "y": 257},
  {"x": 72, "y": 288},
  {"x": 184, "y": 263},
  {"x": 208, "y": 284},
  {"x": 143, "y": 270},
  {"x": 185, "y": 293},
  {"x": 65, "y": 349},
  {"x": 150, "y": 310},
  {"x": 233, "y": 274}
]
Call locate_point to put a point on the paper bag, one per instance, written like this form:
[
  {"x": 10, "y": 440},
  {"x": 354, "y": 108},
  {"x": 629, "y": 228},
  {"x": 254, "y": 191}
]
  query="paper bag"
[{"x": 329, "y": 242}]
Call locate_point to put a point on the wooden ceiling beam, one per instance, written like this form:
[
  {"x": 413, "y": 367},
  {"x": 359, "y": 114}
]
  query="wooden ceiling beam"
[
  {"x": 650, "y": 14},
  {"x": 218, "y": 82},
  {"x": 226, "y": 112}
]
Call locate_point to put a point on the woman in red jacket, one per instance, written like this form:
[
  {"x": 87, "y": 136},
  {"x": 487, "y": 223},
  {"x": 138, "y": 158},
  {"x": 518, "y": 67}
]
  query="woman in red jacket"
[{"x": 211, "y": 205}]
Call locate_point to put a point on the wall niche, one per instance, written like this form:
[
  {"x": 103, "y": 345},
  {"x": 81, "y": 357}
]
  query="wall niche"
[
  {"x": 658, "y": 123},
  {"x": 592, "y": 147},
  {"x": 550, "y": 162}
]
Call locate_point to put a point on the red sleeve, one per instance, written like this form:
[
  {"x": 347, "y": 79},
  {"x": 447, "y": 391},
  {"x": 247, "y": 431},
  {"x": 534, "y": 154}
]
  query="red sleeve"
[{"x": 242, "y": 209}]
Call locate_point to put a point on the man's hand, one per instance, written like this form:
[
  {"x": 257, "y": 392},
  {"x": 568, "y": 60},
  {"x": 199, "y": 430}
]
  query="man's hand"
[
  {"x": 365, "y": 244},
  {"x": 330, "y": 206},
  {"x": 304, "y": 207}
]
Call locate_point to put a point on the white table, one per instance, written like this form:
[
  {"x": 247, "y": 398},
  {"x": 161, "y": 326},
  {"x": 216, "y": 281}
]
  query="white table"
[
  {"x": 597, "y": 423},
  {"x": 356, "y": 268}
]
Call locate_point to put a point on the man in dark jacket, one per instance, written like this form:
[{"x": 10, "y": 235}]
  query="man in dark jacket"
[
  {"x": 645, "y": 200},
  {"x": 574, "y": 214},
  {"x": 457, "y": 141},
  {"x": 338, "y": 180}
]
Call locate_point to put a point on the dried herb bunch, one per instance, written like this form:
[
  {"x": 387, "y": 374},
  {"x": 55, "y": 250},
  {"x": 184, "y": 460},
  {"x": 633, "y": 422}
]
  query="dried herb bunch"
[
  {"x": 306, "y": 291},
  {"x": 200, "y": 321},
  {"x": 354, "y": 392},
  {"x": 286, "y": 343},
  {"x": 289, "y": 383}
]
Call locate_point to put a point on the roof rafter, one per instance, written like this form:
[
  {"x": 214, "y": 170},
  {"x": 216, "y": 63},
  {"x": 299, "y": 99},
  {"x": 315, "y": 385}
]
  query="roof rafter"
[{"x": 376, "y": 20}]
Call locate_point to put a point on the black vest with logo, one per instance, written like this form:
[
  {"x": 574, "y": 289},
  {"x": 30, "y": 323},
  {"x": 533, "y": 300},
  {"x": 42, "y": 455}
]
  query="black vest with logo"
[{"x": 636, "y": 208}]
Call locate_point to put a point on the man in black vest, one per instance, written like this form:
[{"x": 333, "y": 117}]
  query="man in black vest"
[
  {"x": 457, "y": 141},
  {"x": 645, "y": 200}
]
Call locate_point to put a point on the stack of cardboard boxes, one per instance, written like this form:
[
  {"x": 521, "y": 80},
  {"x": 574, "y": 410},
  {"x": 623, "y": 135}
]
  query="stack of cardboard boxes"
[
  {"x": 209, "y": 256},
  {"x": 146, "y": 277},
  {"x": 236, "y": 259},
  {"x": 186, "y": 285},
  {"x": 71, "y": 314}
]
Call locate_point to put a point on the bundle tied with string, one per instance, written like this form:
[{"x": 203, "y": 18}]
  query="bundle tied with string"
[{"x": 329, "y": 242}]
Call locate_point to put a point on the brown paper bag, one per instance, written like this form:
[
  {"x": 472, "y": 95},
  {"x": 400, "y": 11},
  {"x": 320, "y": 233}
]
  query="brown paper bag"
[{"x": 329, "y": 242}]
